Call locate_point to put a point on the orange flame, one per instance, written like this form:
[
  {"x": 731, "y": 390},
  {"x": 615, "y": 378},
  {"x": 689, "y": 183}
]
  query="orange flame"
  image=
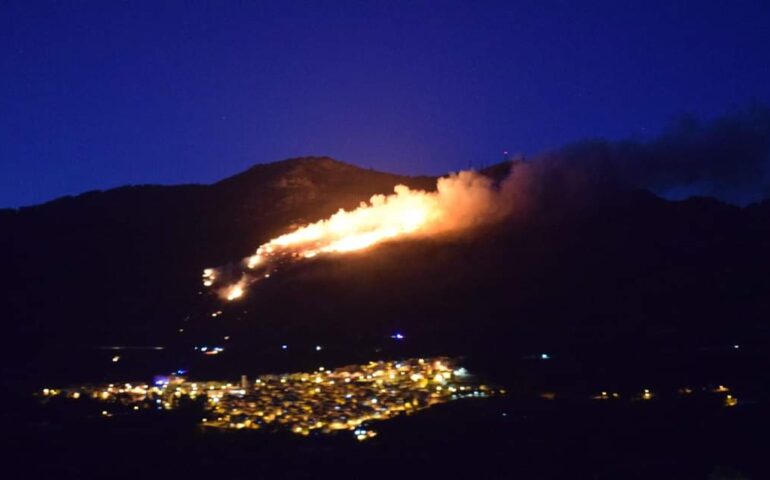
[
  {"x": 383, "y": 218},
  {"x": 460, "y": 200}
]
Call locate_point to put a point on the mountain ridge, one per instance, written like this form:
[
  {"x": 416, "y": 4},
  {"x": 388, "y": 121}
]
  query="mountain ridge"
[
  {"x": 288, "y": 168},
  {"x": 125, "y": 265}
]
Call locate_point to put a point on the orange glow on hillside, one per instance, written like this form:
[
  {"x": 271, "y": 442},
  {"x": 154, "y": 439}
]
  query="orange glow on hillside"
[{"x": 460, "y": 200}]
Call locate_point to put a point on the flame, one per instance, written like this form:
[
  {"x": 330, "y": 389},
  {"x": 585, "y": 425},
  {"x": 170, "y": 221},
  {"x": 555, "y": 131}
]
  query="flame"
[
  {"x": 460, "y": 200},
  {"x": 235, "y": 291},
  {"x": 383, "y": 218}
]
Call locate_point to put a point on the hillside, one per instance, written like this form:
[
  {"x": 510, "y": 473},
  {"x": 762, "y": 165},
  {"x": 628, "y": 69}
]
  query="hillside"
[
  {"x": 625, "y": 272},
  {"x": 120, "y": 265}
]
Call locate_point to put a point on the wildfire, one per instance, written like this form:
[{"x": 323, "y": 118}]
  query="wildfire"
[
  {"x": 234, "y": 291},
  {"x": 383, "y": 218},
  {"x": 460, "y": 200}
]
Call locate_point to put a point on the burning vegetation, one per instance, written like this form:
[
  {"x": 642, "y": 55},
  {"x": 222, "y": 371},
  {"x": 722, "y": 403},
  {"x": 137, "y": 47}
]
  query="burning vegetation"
[{"x": 460, "y": 201}]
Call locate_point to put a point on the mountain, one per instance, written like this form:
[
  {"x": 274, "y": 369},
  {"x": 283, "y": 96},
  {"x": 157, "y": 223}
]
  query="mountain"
[
  {"x": 628, "y": 269},
  {"x": 117, "y": 265}
]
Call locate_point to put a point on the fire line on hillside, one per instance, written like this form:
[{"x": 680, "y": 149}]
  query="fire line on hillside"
[{"x": 461, "y": 200}]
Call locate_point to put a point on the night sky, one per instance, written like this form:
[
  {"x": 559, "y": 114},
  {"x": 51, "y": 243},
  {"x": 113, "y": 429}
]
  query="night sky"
[{"x": 99, "y": 94}]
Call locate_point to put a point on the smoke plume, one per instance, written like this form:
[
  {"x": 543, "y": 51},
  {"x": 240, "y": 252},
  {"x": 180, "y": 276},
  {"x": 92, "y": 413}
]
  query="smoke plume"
[{"x": 727, "y": 158}]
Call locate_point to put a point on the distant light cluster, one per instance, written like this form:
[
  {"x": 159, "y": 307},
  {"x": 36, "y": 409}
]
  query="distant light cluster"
[
  {"x": 324, "y": 401},
  {"x": 646, "y": 394}
]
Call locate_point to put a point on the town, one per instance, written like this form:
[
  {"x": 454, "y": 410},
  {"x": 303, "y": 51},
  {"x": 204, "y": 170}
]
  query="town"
[{"x": 325, "y": 400}]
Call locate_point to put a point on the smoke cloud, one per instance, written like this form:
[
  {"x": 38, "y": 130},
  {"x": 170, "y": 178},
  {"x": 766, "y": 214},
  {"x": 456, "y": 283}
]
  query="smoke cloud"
[{"x": 728, "y": 158}]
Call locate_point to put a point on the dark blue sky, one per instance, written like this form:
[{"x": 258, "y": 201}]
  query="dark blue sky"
[{"x": 104, "y": 93}]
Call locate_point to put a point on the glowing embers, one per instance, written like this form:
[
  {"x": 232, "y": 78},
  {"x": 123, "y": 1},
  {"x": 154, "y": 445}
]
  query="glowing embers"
[
  {"x": 209, "y": 276},
  {"x": 234, "y": 292},
  {"x": 254, "y": 261}
]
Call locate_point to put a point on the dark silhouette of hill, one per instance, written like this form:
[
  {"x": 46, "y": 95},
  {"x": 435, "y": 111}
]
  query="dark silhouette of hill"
[
  {"x": 623, "y": 271},
  {"x": 118, "y": 265}
]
